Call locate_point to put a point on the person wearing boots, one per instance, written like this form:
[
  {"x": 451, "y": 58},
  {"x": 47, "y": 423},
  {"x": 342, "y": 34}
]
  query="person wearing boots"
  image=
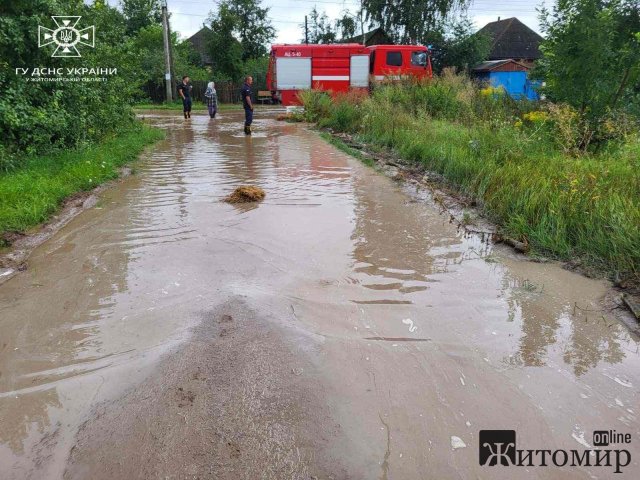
[
  {"x": 184, "y": 89},
  {"x": 247, "y": 104},
  {"x": 212, "y": 99}
]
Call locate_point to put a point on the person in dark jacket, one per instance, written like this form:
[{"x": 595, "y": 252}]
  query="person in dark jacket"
[
  {"x": 184, "y": 89},
  {"x": 247, "y": 104}
]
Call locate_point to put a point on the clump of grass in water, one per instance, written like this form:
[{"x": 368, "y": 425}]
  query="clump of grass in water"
[
  {"x": 245, "y": 194},
  {"x": 563, "y": 206}
]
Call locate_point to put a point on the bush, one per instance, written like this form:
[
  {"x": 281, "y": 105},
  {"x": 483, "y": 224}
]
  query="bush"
[
  {"x": 317, "y": 104},
  {"x": 345, "y": 113},
  {"x": 41, "y": 117}
]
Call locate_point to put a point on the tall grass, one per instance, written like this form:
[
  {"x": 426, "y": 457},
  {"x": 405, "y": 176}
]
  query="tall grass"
[
  {"x": 565, "y": 206},
  {"x": 32, "y": 193}
]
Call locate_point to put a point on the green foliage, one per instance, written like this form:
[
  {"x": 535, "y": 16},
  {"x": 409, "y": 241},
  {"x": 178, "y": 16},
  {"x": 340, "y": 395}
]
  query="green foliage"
[
  {"x": 347, "y": 24},
  {"x": 31, "y": 194},
  {"x": 319, "y": 28},
  {"x": 39, "y": 117},
  {"x": 257, "y": 68},
  {"x": 346, "y": 113},
  {"x": 317, "y": 104},
  {"x": 147, "y": 61},
  {"x": 140, "y": 14},
  {"x": 457, "y": 46},
  {"x": 224, "y": 48},
  {"x": 505, "y": 154},
  {"x": 42, "y": 116},
  {"x": 410, "y": 21},
  {"x": 240, "y": 32},
  {"x": 591, "y": 57}
]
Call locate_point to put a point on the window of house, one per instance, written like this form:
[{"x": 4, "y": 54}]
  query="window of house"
[{"x": 394, "y": 59}]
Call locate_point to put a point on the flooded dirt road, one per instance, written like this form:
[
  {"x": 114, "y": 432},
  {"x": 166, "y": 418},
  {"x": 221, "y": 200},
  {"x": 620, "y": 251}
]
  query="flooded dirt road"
[{"x": 342, "y": 328}]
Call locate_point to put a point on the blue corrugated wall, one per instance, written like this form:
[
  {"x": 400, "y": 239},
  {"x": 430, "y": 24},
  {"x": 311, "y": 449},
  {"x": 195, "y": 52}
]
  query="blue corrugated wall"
[{"x": 517, "y": 84}]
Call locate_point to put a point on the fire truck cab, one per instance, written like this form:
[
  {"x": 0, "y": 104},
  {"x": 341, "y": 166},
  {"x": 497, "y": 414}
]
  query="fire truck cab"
[
  {"x": 339, "y": 68},
  {"x": 395, "y": 61}
]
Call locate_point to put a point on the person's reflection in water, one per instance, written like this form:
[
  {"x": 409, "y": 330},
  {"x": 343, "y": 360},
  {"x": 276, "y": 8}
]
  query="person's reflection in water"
[{"x": 250, "y": 160}]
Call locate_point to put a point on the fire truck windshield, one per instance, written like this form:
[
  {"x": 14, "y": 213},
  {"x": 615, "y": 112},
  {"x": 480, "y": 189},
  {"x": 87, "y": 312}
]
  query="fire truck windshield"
[{"x": 419, "y": 59}]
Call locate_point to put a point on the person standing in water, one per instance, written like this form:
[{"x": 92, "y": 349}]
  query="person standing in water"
[
  {"x": 212, "y": 99},
  {"x": 247, "y": 104},
  {"x": 184, "y": 89}
]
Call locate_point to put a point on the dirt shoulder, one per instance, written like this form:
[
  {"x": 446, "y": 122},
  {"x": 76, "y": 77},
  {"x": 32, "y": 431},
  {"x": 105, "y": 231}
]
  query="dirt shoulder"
[
  {"x": 16, "y": 246},
  {"x": 237, "y": 402}
]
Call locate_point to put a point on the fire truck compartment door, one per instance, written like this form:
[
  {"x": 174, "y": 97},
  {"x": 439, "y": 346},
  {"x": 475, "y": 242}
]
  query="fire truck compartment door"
[
  {"x": 359, "y": 70},
  {"x": 293, "y": 73}
]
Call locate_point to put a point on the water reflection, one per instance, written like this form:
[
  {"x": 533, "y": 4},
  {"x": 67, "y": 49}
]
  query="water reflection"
[
  {"x": 407, "y": 254},
  {"x": 124, "y": 279},
  {"x": 581, "y": 334}
]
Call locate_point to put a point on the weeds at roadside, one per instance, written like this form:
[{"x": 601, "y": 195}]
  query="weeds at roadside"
[
  {"x": 29, "y": 195},
  {"x": 509, "y": 157},
  {"x": 354, "y": 152}
]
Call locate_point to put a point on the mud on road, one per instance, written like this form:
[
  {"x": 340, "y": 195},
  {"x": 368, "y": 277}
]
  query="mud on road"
[{"x": 342, "y": 328}]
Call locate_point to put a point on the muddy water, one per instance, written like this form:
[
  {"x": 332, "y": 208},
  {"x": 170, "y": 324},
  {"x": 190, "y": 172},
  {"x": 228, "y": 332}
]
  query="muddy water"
[{"x": 420, "y": 332}]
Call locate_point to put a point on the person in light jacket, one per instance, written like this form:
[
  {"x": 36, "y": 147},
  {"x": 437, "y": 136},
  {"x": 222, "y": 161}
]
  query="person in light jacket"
[{"x": 212, "y": 99}]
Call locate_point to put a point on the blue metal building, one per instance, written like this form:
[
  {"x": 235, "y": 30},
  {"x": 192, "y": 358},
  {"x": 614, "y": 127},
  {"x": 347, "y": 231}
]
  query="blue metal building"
[{"x": 509, "y": 74}]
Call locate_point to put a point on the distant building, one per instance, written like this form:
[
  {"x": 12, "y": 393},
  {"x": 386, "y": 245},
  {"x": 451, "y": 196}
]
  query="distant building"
[
  {"x": 374, "y": 37},
  {"x": 508, "y": 74},
  {"x": 512, "y": 39},
  {"x": 199, "y": 42}
]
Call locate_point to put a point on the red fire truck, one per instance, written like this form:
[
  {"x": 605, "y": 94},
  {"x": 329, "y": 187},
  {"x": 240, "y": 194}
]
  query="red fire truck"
[{"x": 340, "y": 67}]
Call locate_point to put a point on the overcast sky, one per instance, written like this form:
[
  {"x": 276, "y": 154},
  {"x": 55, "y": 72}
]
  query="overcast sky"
[{"x": 187, "y": 16}]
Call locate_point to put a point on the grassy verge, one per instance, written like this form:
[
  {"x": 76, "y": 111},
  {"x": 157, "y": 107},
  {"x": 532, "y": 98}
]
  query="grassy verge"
[
  {"x": 33, "y": 193},
  {"x": 178, "y": 106},
  {"x": 341, "y": 145},
  {"x": 583, "y": 208}
]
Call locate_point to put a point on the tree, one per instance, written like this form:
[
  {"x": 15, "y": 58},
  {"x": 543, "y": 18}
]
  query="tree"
[
  {"x": 347, "y": 25},
  {"x": 458, "y": 46},
  {"x": 410, "y": 21},
  {"x": 320, "y": 29},
  {"x": 224, "y": 48},
  {"x": 591, "y": 55},
  {"x": 140, "y": 14},
  {"x": 148, "y": 48},
  {"x": 240, "y": 32},
  {"x": 252, "y": 26},
  {"x": 42, "y": 116}
]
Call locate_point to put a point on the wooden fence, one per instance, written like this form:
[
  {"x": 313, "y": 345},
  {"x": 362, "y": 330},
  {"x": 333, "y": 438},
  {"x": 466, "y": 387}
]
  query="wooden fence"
[{"x": 228, "y": 92}]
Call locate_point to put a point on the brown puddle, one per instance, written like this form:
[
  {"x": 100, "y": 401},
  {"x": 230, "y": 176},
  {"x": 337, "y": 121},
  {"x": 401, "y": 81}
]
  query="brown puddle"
[{"x": 443, "y": 335}]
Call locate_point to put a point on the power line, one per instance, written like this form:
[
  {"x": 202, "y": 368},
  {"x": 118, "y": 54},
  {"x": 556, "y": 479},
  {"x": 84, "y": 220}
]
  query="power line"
[{"x": 207, "y": 16}]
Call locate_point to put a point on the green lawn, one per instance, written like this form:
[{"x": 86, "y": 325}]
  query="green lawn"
[{"x": 31, "y": 194}]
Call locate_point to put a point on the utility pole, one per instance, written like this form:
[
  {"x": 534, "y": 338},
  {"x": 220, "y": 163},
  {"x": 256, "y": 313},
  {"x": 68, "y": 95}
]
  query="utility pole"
[
  {"x": 167, "y": 54},
  {"x": 361, "y": 15},
  {"x": 306, "y": 31}
]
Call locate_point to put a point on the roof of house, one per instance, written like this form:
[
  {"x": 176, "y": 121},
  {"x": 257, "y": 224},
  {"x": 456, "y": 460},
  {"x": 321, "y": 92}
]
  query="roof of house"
[
  {"x": 199, "y": 42},
  {"x": 494, "y": 64},
  {"x": 512, "y": 39},
  {"x": 368, "y": 36}
]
